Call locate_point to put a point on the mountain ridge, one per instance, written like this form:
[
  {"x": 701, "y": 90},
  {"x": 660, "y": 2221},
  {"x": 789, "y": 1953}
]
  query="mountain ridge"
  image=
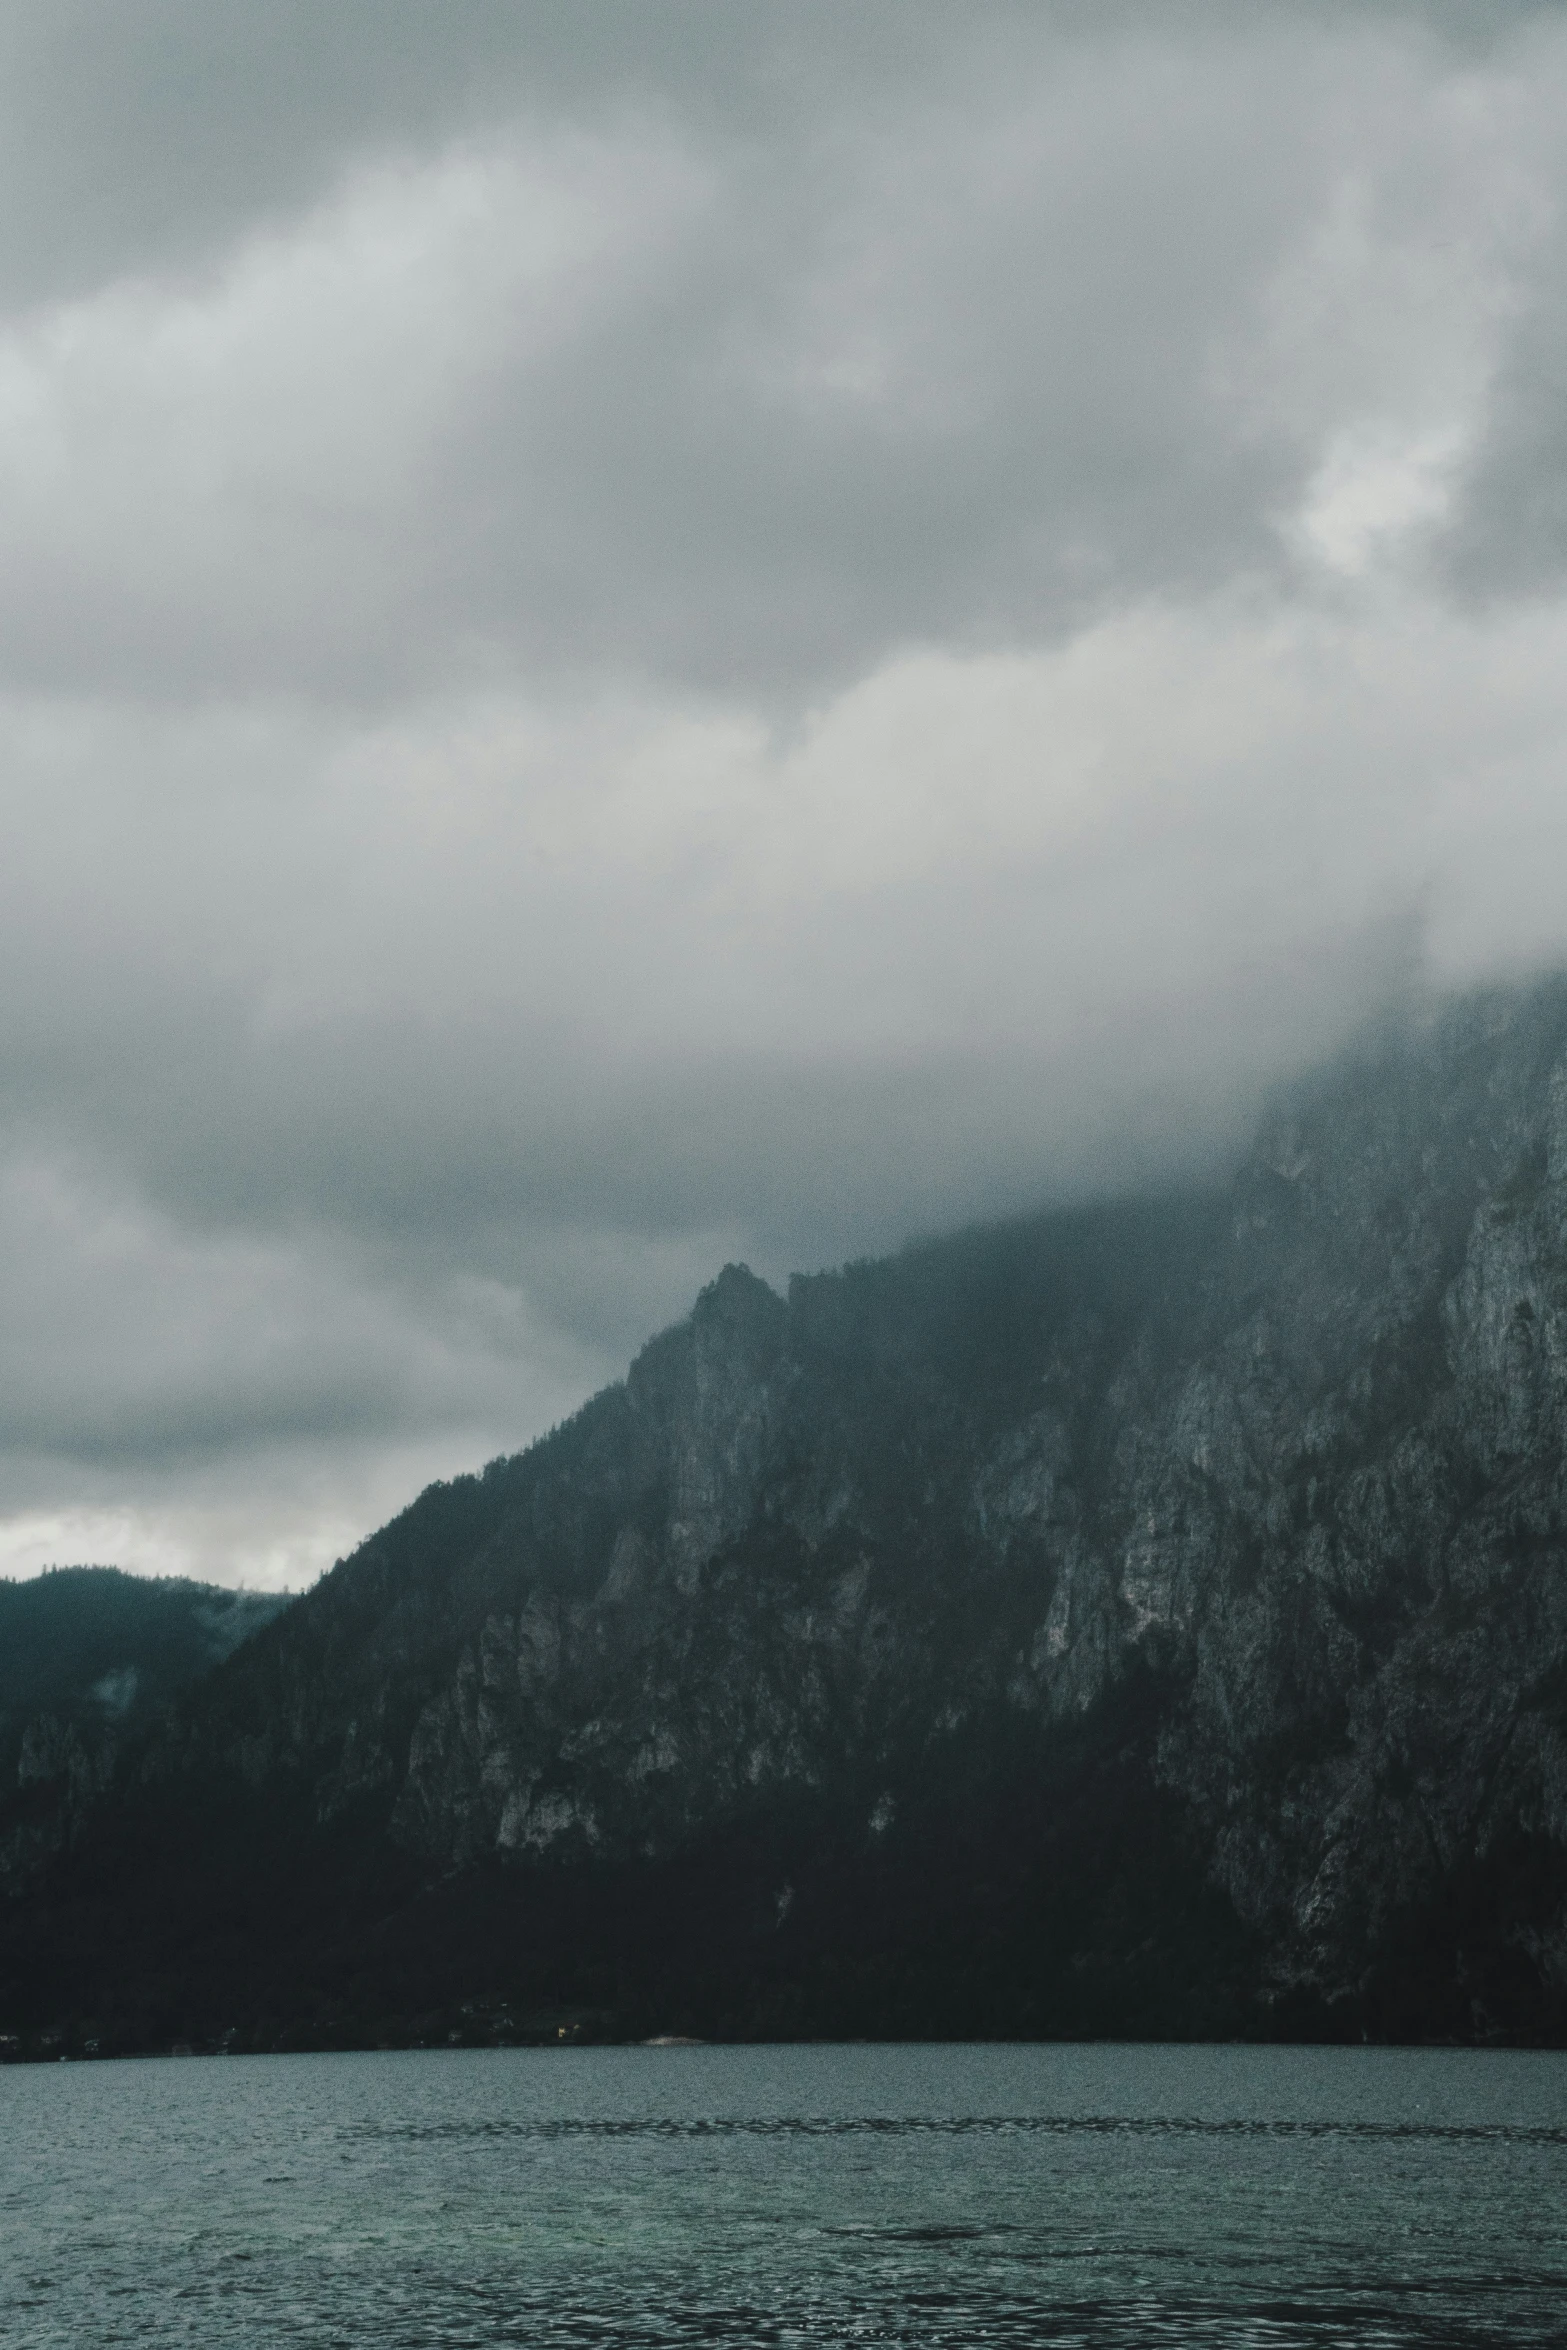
[{"x": 1150, "y": 1617}]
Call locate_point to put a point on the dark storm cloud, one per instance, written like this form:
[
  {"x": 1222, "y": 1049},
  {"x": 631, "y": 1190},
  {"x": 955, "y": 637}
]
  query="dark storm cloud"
[
  {"x": 637, "y": 634},
  {"x": 146, "y": 140},
  {"x": 726, "y": 346}
]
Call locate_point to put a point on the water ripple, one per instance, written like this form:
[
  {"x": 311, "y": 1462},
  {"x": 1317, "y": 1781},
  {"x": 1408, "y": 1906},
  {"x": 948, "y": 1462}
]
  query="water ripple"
[{"x": 956, "y": 2126}]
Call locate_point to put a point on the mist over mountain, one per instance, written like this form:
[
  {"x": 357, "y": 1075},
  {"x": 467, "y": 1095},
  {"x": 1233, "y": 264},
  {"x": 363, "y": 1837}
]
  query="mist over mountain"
[
  {"x": 1145, "y": 1619},
  {"x": 638, "y": 638}
]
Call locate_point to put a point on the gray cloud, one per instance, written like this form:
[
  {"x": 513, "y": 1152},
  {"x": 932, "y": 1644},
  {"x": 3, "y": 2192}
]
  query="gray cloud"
[
  {"x": 636, "y": 635},
  {"x": 542, "y": 358}
]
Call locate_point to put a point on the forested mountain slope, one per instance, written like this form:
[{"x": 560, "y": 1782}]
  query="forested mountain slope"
[
  {"x": 1146, "y": 1618},
  {"x": 89, "y": 1656}
]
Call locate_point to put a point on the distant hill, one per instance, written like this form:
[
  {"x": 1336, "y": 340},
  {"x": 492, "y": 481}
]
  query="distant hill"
[
  {"x": 1145, "y": 1620},
  {"x": 88, "y": 1658}
]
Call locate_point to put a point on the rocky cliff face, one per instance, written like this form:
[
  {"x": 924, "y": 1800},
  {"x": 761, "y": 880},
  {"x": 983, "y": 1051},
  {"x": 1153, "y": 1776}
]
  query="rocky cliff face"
[{"x": 1220, "y": 1537}]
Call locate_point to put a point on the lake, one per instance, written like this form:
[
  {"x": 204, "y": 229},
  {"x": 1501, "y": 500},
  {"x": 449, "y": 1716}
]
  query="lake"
[{"x": 868, "y": 2194}]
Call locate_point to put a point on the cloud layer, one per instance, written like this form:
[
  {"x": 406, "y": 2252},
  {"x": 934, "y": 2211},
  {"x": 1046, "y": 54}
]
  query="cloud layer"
[{"x": 641, "y": 635}]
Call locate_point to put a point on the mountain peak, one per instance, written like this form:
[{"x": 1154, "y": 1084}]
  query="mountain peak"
[{"x": 1148, "y": 1619}]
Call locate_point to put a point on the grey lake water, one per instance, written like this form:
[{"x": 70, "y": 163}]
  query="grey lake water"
[{"x": 941, "y": 2196}]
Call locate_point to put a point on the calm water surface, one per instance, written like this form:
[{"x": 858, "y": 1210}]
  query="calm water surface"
[{"x": 941, "y": 2196}]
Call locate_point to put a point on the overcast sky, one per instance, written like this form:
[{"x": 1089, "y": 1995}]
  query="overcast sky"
[{"x": 643, "y": 631}]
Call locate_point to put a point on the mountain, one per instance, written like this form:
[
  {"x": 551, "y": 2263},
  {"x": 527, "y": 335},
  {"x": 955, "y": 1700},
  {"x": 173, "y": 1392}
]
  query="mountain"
[
  {"x": 1144, "y": 1620},
  {"x": 89, "y": 1657}
]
